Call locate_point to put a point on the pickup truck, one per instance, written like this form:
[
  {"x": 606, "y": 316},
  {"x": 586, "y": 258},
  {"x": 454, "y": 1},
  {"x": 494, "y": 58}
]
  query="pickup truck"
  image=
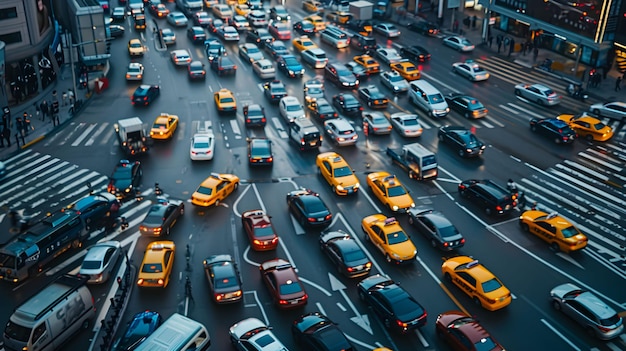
[
  {"x": 131, "y": 136},
  {"x": 419, "y": 162}
]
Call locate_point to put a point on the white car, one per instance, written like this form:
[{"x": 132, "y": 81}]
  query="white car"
[
  {"x": 389, "y": 55},
  {"x": 387, "y": 29},
  {"x": 377, "y": 123},
  {"x": 202, "y": 146},
  {"x": 316, "y": 58},
  {"x": 168, "y": 35},
  {"x": 240, "y": 22},
  {"x": 134, "y": 71},
  {"x": 252, "y": 334},
  {"x": 470, "y": 70},
  {"x": 264, "y": 69},
  {"x": 250, "y": 52},
  {"x": 394, "y": 81},
  {"x": 538, "y": 93},
  {"x": 222, "y": 11},
  {"x": 177, "y": 19},
  {"x": 615, "y": 110},
  {"x": 458, "y": 43},
  {"x": 313, "y": 90},
  {"x": 407, "y": 124},
  {"x": 340, "y": 131},
  {"x": 290, "y": 108},
  {"x": 181, "y": 57},
  {"x": 257, "y": 18},
  {"x": 100, "y": 261},
  {"x": 228, "y": 33}
]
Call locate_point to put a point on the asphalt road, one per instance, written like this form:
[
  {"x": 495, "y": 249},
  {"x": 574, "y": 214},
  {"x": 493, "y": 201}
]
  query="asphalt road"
[{"x": 583, "y": 182}]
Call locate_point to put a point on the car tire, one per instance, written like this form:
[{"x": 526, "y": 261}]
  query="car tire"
[
  {"x": 433, "y": 243},
  {"x": 217, "y": 203},
  {"x": 441, "y": 137},
  {"x": 589, "y": 137},
  {"x": 461, "y": 153},
  {"x": 533, "y": 128},
  {"x": 387, "y": 323},
  {"x": 555, "y": 247},
  {"x": 182, "y": 211},
  {"x": 557, "y": 140},
  {"x": 524, "y": 226},
  {"x": 518, "y": 93},
  {"x": 361, "y": 295},
  {"x": 167, "y": 231},
  {"x": 556, "y": 305},
  {"x": 477, "y": 301},
  {"x": 236, "y": 185},
  {"x": 467, "y": 115},
  {"x": 448, "y": 277},
  {"x": 540, "y": 102}
]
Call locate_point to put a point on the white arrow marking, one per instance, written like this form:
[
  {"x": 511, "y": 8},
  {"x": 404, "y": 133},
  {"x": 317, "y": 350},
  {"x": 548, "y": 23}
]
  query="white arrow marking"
[{"x": 362, "y": 320}]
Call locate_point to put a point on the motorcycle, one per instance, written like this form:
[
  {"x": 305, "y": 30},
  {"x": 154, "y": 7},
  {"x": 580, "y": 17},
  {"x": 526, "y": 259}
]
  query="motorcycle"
[{"x": 577, "y": 93}]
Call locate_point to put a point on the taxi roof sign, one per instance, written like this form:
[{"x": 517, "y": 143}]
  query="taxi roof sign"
[
  {"x": 471, "y": 264},
  {"x": 390, "y": 220}
]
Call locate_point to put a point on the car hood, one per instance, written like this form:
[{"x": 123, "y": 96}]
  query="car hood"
[{"x": 121, "y": 183}]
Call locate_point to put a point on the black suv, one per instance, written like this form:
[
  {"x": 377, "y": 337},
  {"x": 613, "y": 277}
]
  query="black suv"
[
  {"x": 554, "y": 129},
  {"x": 462, "y": 140},
  {"x": 494, "y": 199},
  {"x": 341, "y": 76},
  {"x": 125, "y": 179},
  {"x": 363, "y": 43},
  {"x": 424, "y": 27}
]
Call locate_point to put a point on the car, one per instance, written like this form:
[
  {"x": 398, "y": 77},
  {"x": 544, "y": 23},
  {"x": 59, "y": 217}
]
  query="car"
[
  {"x": 472, "y": 278},
  {"x": 222, "y": 11},
  {"x": 277, "y": 48},
  {"x": 337, "y": 173},
  {"x": 388, "y": 189},
  {"x": 257, "y": 19},
  {"x": 309, "y": 209},
  {"x": 250, "y": 52},
  {"x": 407, "y": 124},
  {"x": 136, "y": 48},
  {"x": 367, "y": 61},
  {"x": 96, "y": 210},
  {"x": 389, "y": 55},
  {"x": 614, "y": 110},
  {"x": 213, "y": 190},
  {"x": 313, "y": 89},
  {"x": 290, "y": 66},
  {"x": 345, "y": 253},
  {"x": 214, "y": 49},
  {"x": 558, "y": 232},
  {"x": 373, "y": 97},
  {"x": 407, "y": 70},
  {"x": 424, "y": 27},
  {"x": 275, "y": 90},
  {"x": 389, "y": 30},
  {"x": 202, "y": 146},
  {"x": 315, "y": 331},
  {"x": 362, "y": 27},
  {"x": 493, "y": 198},
  {"x": 258, "y": 226},
  {"x": 359, "y": 71},
  {"x": 224, "y": 279},
  {"x": 196, "y": 70},
  {"x": 225, "y": 100},
  {"x": 347, "y": 104},
  {"x": 141, "y": 325},
  {"x": 317, "y": 21},
  {"x": 239, "y": 22},
  {"x": 304, "y": 28},
  {"x": 210, "y": 3},
  {"x": 252, "y": 334},
  {"x": 586, "y": 309},
  {"x": 466, "y": 105},
  {"x": 158, "y": 10},
  {"x": 538, "y": 93},
  {"x": 255, "y": 4},
  {"x": 259, "y": 36},
  {"x": 196, "y": 34},
  {"x": 145, "y": 94},
  {"x": 394, "y": 81},
  {"x": 587, "y": 126},
  {"x": 415, "y": 53},
  {"x": 168, "y": 35},
  {"x": 177, "y": 19},
  {"x": 116, "y": 30},
  {"x": 283, "y": 284},
  {"x": 139, "y": 22},
  {"x": 181, "y": 57},
  {"x": 470, "y": 70},
  {"x": 242, "y": 9},
  {"x": 254, "y": 115},
  {"x": 228, "y": 33},
  {"x": 260, "y": 152},
  {"x": 224, "y": 65},
  {"x": 339, "y": 17},
  {"x": 280, "y": 30},
  {"x": 436, "y": 227},
  {"x": 376, "y": 123},
  {"x": 164, "y": 126},
  {"x": 554, "y": 129},
  {"x": 398, "y": 310},
  {"x": 303, "y": 43},
  {"x": 458, "y": 43},
  {"x": 156, "y": 266},
  {"x": 315, "y": 58},
  {"x": 118, "y": 14},
  {"x": 134, "y": 71},
  {"x": 464, "y": 142},
  {"x": 290, "y": 108},
  {"x": 321, "y": 109},
  {"x": 464, "y": 333},
  {"x": 214, "y": 25},
  {"x": 201, "y": 19},
  {"x": 340, "y": 76},
  {"x": 161, "y": 217},
  {"x": 100, "y": 260},
  {"x": 279, "y": 13},
  {"x": 340, "y": 131},
  {"x": 125, "y": 179},
  {"x": 312, "y": 6}
]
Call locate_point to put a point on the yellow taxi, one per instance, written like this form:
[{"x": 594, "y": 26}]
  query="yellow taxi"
[
  {"x": 339, "y": 17},
  {"x": 157, "y": 264},
  {"x": 164, "y": 126},
  {"x": 389, "y": 238},
  {"x": 303, "y": 43},
  {"x": 312, "y": 6},
  {"x": 553, "y": 229},
  {"x": 407, "y": 70},
  {"x": 477, "y": 282},
  {"x": 388, "y": 189},
  {"x": 225, "y": 100},
  {"x": 367, "y": 61},
  {"x": 337, "y": 173},
  {"x": 135, "y": 47},
  {"x": 317, "y": 21},
  {"x": 215, "y": 189},
  {"x": 242, "y": 9},
  {"x": 588, "y": 127}
]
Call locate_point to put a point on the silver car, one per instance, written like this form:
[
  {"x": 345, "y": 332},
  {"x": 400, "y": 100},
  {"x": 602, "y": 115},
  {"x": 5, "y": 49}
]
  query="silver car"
[
  {"x": 341, "y": 131},
  {"x": 316, "y": 58},
  {"x": 458, "y": 43},
  {"x": 407, "y": 124},
  {"x": 470, "y": 70},
  {"x": 134, "y": 71},
  {"x": 377, "y": 123},
  {"x": 290, "y": 108},
  {"x": 250, "y": 52},
  {"x": 100, "y": 261},
  {"x": 177, "y": 19},
  {"x": 169, "y": 38},
  {"x": 615, "y": 110},
  {"x": 538, "y": 93},
  {"x": 264, "y": 69},
  {"x": 252, "y": 334},
  {"x": 389, "y": 55},
  {"x": 394, "y": 81}
]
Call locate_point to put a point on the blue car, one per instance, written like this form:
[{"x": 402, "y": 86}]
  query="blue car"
[
  {"x": 95, "y": 209},
  {"x": 139, "y": 328},
  {"x": 290, "y": 66}
]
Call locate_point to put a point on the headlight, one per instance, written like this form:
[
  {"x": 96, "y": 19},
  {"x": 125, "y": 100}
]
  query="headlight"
[
  {"x": 291, "y": 72},
  {"x": 412, "y": 204},
  {"x": 357, "y": 185},
  {"x": 339, "y": 187},
  {"x": 394, "y": 208},
  {"x": 395, "y": 255}
]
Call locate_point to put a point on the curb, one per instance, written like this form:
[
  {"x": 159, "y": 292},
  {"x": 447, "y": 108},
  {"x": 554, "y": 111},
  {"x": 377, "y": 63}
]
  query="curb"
[{"x": 33, "y": 142}]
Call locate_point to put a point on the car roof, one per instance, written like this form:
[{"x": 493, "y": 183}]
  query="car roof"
[
  {"x": 98, "y": 251},
  {"x": 340, "y": 123}
]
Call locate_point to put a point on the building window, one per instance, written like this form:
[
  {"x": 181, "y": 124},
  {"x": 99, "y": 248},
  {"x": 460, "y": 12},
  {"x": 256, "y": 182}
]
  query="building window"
[
  {"x": 8, "y": 13},
  {"x": 11, "y": 38}
]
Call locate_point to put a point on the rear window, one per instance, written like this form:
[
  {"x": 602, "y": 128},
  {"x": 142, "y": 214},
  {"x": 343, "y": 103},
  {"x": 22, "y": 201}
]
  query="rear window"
[
  {"x": 288, "y": 289},
  {"x": 491, "y": 285}
]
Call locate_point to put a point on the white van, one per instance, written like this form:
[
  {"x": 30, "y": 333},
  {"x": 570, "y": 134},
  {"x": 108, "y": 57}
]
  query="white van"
[
  {"x": 428, "y": 98},
  {"x": 177, "y": 333},
  {"x": 48, "y": 319}
]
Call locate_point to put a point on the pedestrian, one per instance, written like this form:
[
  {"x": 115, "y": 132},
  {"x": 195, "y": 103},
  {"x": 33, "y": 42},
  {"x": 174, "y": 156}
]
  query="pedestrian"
[
  {"x": 474, "y": 18},
  {"x": 455, "y": 26},
  {"x": 70, "y": 95},
  {"x": 2, "y": 137},
  {"x": 64, "y": 97},
  {"x": 19, "y": 124},
  {"x": 618, "y": 82},
  {"x": 44, "y": 109},
  {"x": 535, "y": 54},
  {"x": 499, "y": 42},
  {"x": 597, "y": 79},
  {"x": 490, "y": 41},
  {"x": 511, "y": 46},
  {"x": 37, "y": 110},
  {"x": 6, "y": 134}
]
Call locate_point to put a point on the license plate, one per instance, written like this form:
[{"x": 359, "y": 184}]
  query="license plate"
[
  {"x": 358, "y": 268},
  {"x": 320, "y": 219},
  {"x": 293, "y": 302}
]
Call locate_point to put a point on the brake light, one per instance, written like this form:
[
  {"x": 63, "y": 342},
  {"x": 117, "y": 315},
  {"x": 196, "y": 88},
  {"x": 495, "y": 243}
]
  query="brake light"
[
  {"x": 311, "y": 219},
  {"x": 498, "y": 208},
  {"x": 218, "y": 297},
  {"x": 328, "y": 217},
  {"x": 160, "y": 282},
  {"x": 140, "y": 281},
  {"x": 282, "y": 302}
]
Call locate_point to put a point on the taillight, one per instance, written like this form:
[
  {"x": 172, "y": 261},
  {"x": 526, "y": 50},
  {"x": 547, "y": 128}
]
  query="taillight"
[
  {"x": 140, "y": 281},
  {"x": 498, "y": 208},
  {"x": 329, "y": 216},
  {"x": 160, "y": 282}
]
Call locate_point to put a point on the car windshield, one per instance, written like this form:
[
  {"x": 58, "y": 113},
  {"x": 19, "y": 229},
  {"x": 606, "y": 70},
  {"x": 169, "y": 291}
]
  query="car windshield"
[
  {"x": 17, "y": 332},
  {"x": 260, "y": 150},
  {"x": 397, "y": 237},
  {"x": 227, "y": 282},
  {"x": 91, "y": 265},
  {"x": 226, "y": 100},
  {"x": 315, "y": 206},
  {"x": 134, "y": 70},
  {"x": 290, "y": 61},
  {"x": 122, "y": 173},
  {"x": 465, "y": 42},
  {"x": 263, "y": 231},
  {"x": 410, "y": 122},
  {"x": 599, "y": 126},
  {"x": 152, "y": 268},
  {"x": 205, "y": 191},
  {"x": 570, "y": 232},
  {"x": 395, "y": 78},
  {"x": 491, "y": 285},
  {"x": 342, "y": 171},
  {"x": 253, "y": 50},
  {"x": 379, "y": 120},
  {"x": 429, "y": 160},
  {"x": 396, "y": 191},
  {"x": 355, "y": 255},
  {"x": 325, "y": 109},
  {"x": 135, "y": 45},
  {"x": 287, "y": 289},
  {"x": 201, "y": 145},
  {"x": 344, "y": 73},
  {"x": 157, "y": 125},
  {"x": 314, "y": 90},
  {"x": 278, "y": 90},
  {"x": 435, "y": 98}
]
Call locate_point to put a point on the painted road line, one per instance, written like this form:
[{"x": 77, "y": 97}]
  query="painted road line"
[{"x": 560, "y": 335}]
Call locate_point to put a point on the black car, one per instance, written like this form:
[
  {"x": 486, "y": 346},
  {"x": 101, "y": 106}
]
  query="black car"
[
  {"x": 214, "y": 25},
  {"x": 277, "y": 48},
  {"x": 373, "y": 97},
  {"x": 341, "y": 76},
  {"x": 309, "y": 209},
  {"x": 125, "y": 179},
  {"x": 116, "y": 30},
  {"x": 321, "y": 109},
  {"x": 304, "y": 28},
  {"x": 345, "y": 253},
  {"x": 315, "y": 331},
  {"x": 466, "y": 105},
  {"x": 224, "y": 279},
  {"x": 397, "y": 309},
  {"x": 196, "y": 35},
  {"x": 162, "y": 217},
  {"x": 363, "y": 43},
  {"x": 259, "y": 36},
  {"x": 290, "y": 66},
  {"x": 436, "y": 228},
  {"x": 139, "y": 328},
  {"x": 274, "y": 90},
  {"x": 415, "y": 53},
  {"x": 95, "y": 210},
  {"x": 145, "y": 94},
  {"x": 462, "y": 140},
  {"x": 196, "y": 70},
  {"x": 223, "y": 65},
  {"x": 260, "y": 152},
  {"x": 254, "y": 115},
  {"x": 357, "y": 69},
  {"x": 554, "y": 129},
  {"x": 347, "y": 104},
  {"x": 214, "y": 49},
  {"x": 279, "y": 13},
  {"x": 424, "y": 27},
  {"x": 492, "y": 198}
]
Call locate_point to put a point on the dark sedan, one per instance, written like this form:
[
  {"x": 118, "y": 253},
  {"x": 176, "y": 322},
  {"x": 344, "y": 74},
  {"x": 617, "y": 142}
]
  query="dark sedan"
[
  {"x": 315, "y": 331},
  {"x": 373, "y": 97},
  {"x": 95, "y": 210},
  {"x": 309, "y": 209},
  {"x": 462, "y": 140},
  {"x": 347, "y": 104},
  {"x": 116, "y": 30},
  {"x": 345, "y": 253},
  {"x": 214, "y": 49},
  {"x": 283, "y": 284},
  {"x": 554, "y": 129},
  {"x": 304, "y": 28},
  {"x": 139, "y": 328},
  {"x": 260, "y": 36},
  {"x": 424, "y": 27},
  {"x": 466, "y": 105},
  {"x": 415, "y": 53},
  {"x": 223, "y": 65},
  {"x": 274, "y": 90},
  {"x": 254, "y": 115},
  {"x": 290, "y": 66},
  {"x": 196, "y": 35},
  {"x": 145, "y": 94},
  {"x": 162, "y": 217},
  {"x": 357, "y": 69},
  {"x": 321, "y": 109},
  {"x": 341, "y": 76},
  {"x": 125, "y": 179},
  {"x": 196, "y": 70},
  {"x": 436, "y": 228},
  {"x": 224, "y": 279},
  {"x": 260, "y": 152}
]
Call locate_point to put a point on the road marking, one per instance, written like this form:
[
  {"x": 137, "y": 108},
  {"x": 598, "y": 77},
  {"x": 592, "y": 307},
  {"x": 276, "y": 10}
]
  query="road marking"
[
  {"x": 97, "y": 134},
  {"x": 559, "y": 334},
  {"x": 317, "y": 286},
  {"x": 509, "y": 109},
  {"x": 359, "y": 319}
]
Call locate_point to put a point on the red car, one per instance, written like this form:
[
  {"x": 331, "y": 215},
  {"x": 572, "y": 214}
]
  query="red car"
[
  {"x": 280, "y": 30},
  {"x": 258, "y": 226},
  {"x": 283, "y": 284},
  {"x": 464, "y": 333}
]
